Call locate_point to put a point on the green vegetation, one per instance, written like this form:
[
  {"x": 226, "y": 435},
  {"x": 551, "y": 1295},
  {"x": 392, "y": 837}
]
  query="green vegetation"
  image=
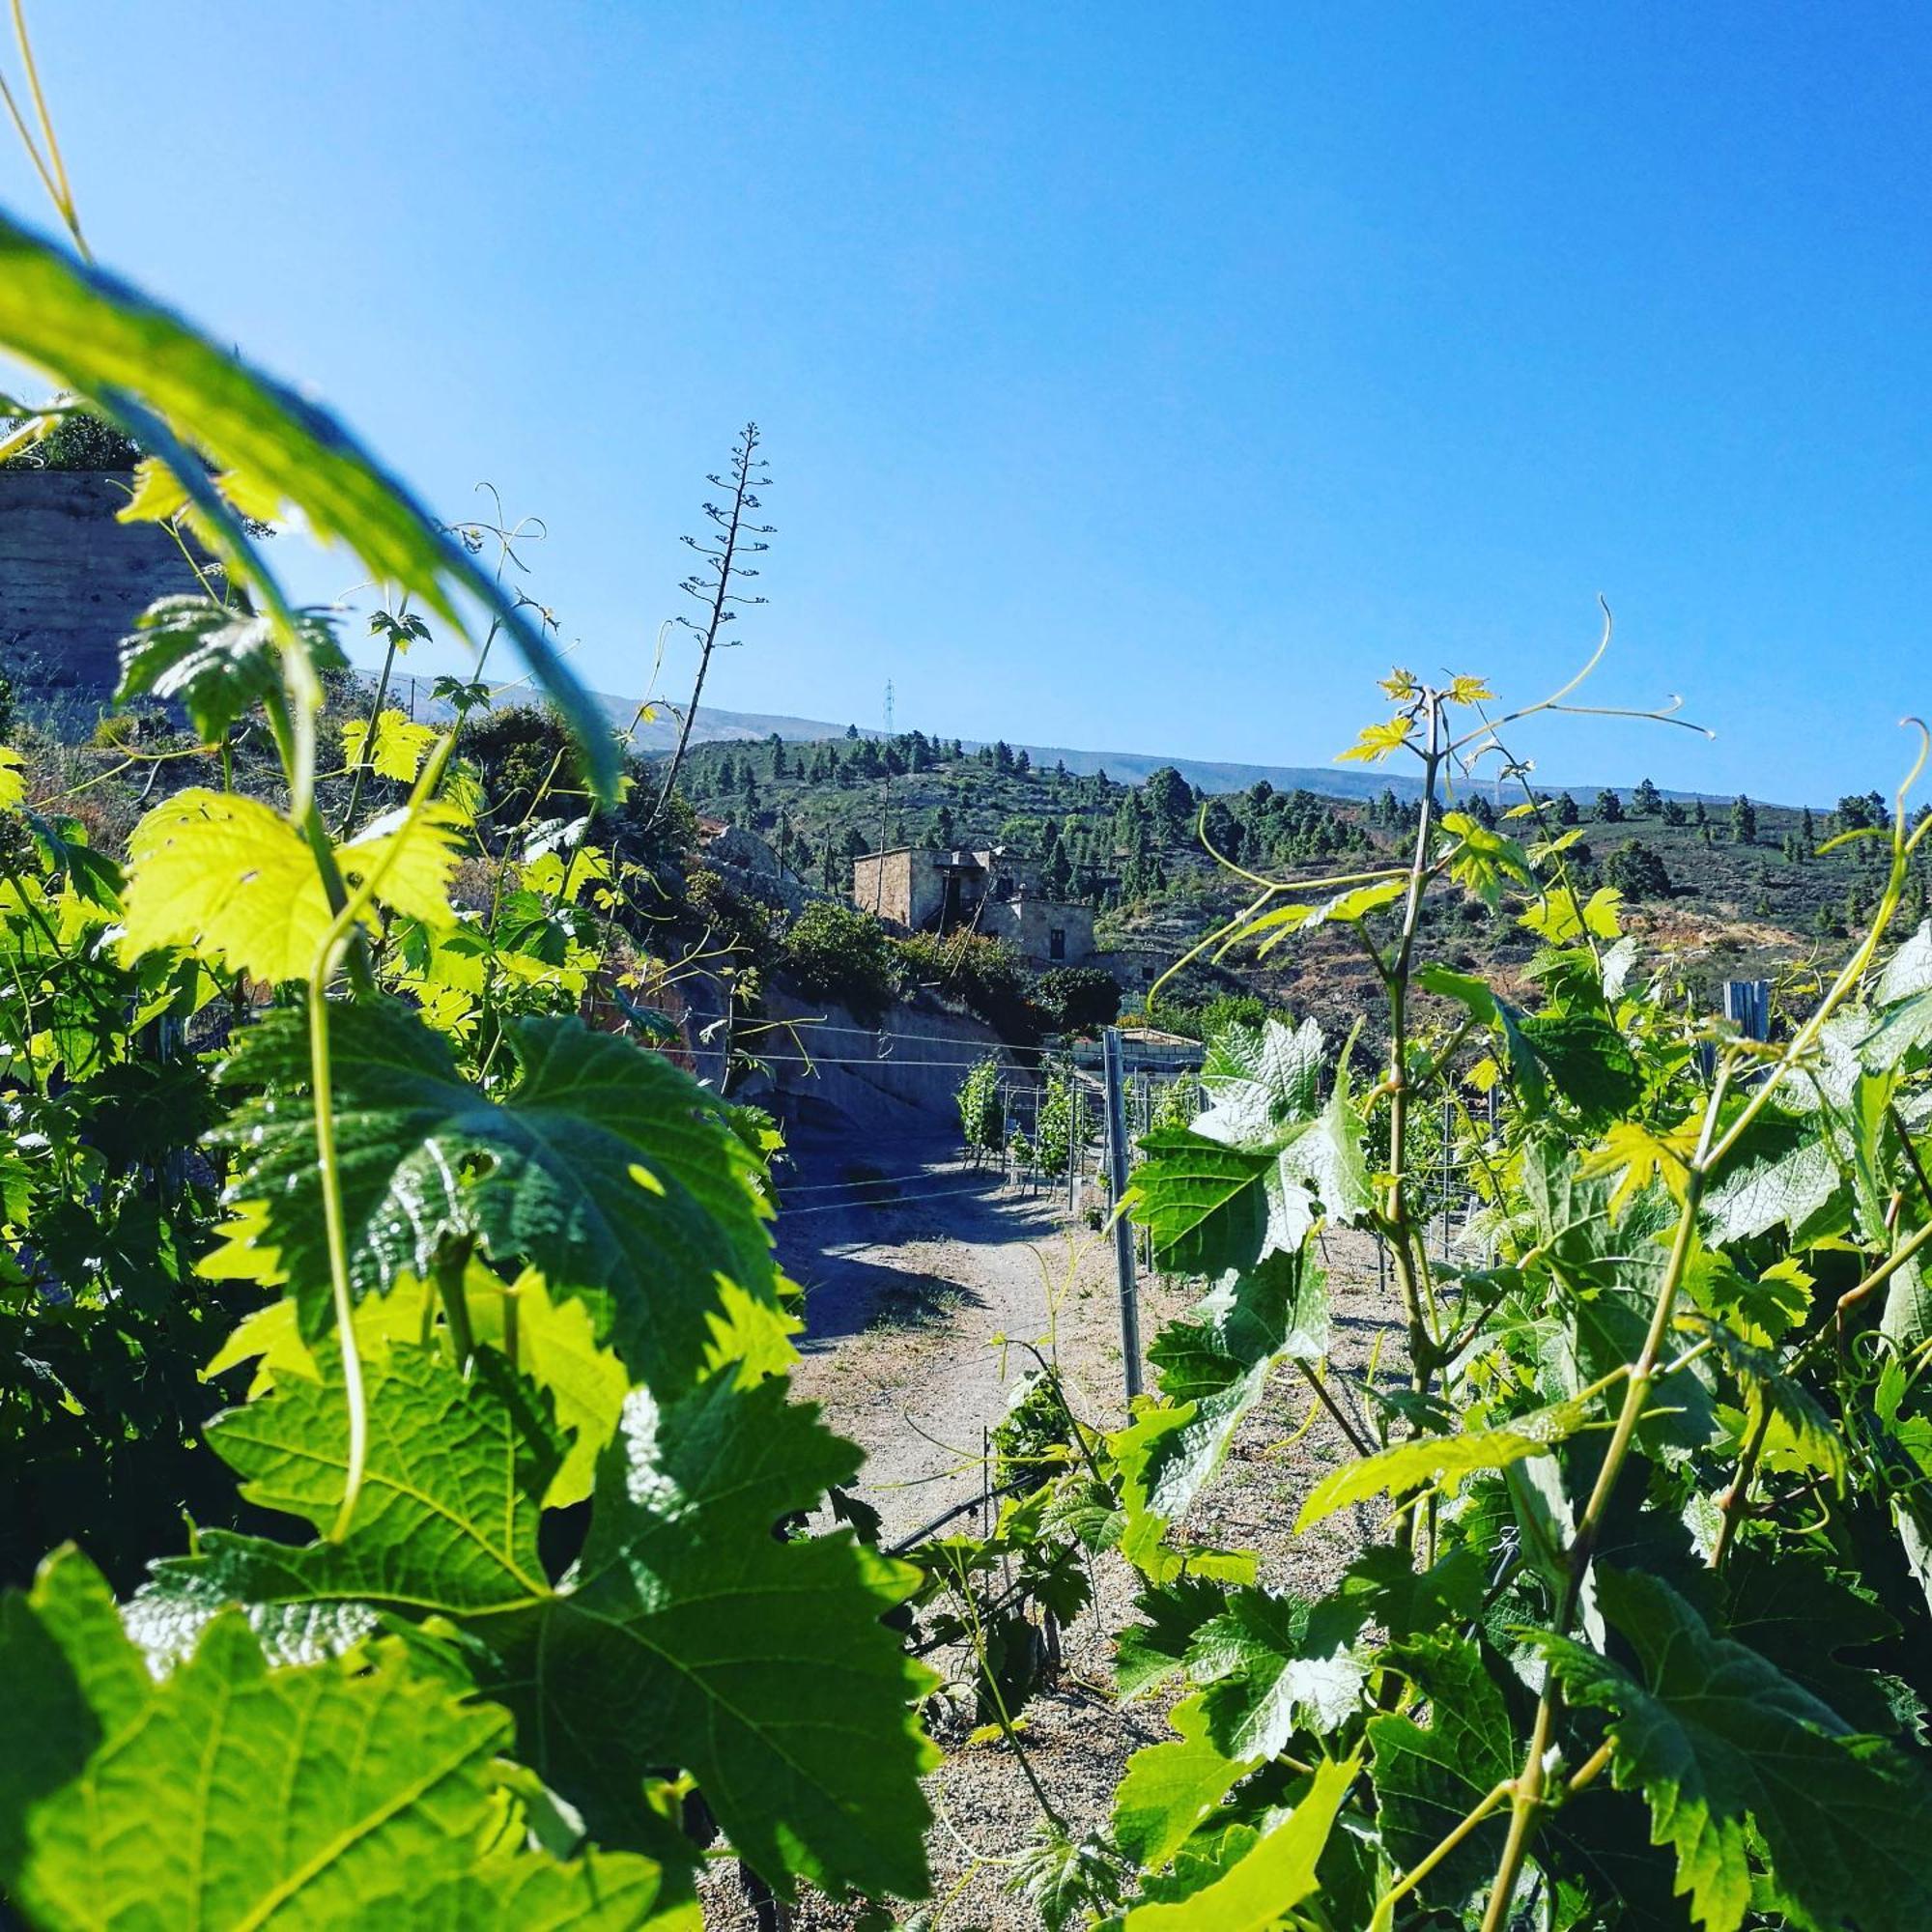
[
  {"x": 982, "y": 1119},
  {"x": 481, "y": 1584}
]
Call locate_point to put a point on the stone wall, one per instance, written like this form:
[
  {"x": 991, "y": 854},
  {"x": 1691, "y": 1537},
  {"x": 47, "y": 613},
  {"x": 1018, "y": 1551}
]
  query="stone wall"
[
  {"x": 912, "y": 1083},
  {"x": 72, "y": 580}
]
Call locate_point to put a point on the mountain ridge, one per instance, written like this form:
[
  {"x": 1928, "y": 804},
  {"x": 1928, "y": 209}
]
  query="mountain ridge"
[{"x": 718, "y": 725}]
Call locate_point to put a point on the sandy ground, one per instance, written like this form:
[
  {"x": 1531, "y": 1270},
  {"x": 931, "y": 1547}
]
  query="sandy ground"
[{"x": 915, "y": 1291}]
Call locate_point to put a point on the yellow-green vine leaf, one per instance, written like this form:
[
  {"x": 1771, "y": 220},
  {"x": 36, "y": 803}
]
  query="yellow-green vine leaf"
[
  {"x": 1267, "y": 1873},
  {"x": 1636, "y": 1156},
  {"x": 415, "y": 854},
  {"x": 98, "y": 336},
  {"x": 1377, "y": 742},
  {"x": 1560, "y": 917},
  {"x": 399, "y": 748},
  {"x": 228, "y": 878},
  {"x": 13, "y": 780},
  {"x": 1484, "y": 862},
  {"x": 1443, "y": 1459},
  {"x": 231, "y": 880}
]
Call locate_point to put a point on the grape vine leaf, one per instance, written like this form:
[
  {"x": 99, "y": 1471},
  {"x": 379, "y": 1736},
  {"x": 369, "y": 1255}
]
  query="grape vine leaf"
[
  {"x": 1247, "y": 1179},
  {"x": 1257, "y": 1079},
  {"x": 1788, "y": 1174},
  {"x": 1488, "y": 1008},
  {"x": 1171, "y": 1449},
  {"x": 554, "y": 1345},
  {"x": 1275, "y": 1663},
  {"x": 687, "y": 1635},
  {"x": 1147, "y": 1653},
  {"x": 397, "y": 751},
  {"x": 216, "y": 659},
  {"x": 1170, "y": 1789},
  {"x": 1278, "y": 1308},
  {"x": 1588, "y": 1063},
  {"x": 1428, "y": 1778},
  {"x": 1722, "y": 1743},
  {"x": 1205, "y": 1205},
  {"x": 98, "y": 336},
  {"x": 1797, "y": 1615},
  {"x": 234, "y": 1794},
  {"x": 458, "y": 1466},
  {"x": 230, "y": 878},
  {"x": 1444, "y": 1460},
  {"x": 606, "y": 1169},
  {"x": 1269, "y": 1872}
]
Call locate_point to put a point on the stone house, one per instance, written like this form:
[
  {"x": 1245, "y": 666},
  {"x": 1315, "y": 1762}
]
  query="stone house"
[{"x": 987, "y": 891}]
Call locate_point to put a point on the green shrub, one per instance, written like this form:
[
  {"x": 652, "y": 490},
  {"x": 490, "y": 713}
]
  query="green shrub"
[
  {"x": 835, "y": 952},
  {"x": 985, "y": 975},
  {"x": 1077, "y": 999},
  {"x": 1636, "y": 872}
]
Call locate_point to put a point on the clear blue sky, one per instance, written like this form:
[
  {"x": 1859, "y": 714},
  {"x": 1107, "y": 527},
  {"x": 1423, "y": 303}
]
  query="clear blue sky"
[{"x": 1144, "y": 377}]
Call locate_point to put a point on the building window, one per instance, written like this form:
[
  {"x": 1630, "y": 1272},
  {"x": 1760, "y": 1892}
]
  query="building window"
[{"x": 1056, "y": 942}]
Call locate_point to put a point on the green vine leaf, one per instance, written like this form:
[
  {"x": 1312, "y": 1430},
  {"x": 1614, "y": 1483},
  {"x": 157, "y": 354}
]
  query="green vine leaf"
[
  {"x": 1267, "y": 1874},
  {"x": 1428, "y": 1778},
  {"x": 97, "y": 335},
  {"x": 447, "y": 1522},
  {"x": 233, "y": 1794},
  {"x": 1250, "y": 1176},
  {"x": 1273, "y": 1665},
  {"x": 687, "y": 1635},
  {"x": 606, "y": 1169},
  {"x": 1430, "y": 1461},
  {"x": 1723, "y": 1745},
  {"x": 216, "y": 659},
  {"x": 1170, "y": 1789},
  {"x": 1278, "y": 1308}
]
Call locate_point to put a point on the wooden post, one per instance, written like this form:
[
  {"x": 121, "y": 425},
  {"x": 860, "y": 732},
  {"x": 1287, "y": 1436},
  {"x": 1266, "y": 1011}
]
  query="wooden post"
[{"x": 1124, "y": 1233}]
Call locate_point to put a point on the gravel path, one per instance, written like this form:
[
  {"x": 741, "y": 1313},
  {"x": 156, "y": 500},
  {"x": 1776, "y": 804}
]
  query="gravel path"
[{"x": 913, "y": 1291}]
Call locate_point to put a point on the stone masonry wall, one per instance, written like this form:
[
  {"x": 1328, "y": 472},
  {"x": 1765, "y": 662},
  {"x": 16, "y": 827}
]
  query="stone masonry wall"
[{"x": 72, "y": 580}]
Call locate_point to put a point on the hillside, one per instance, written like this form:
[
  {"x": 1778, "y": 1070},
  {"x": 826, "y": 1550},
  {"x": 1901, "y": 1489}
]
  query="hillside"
[
  {"x": 1733, "y": 897},
  {"x": 712, "y": 725}
]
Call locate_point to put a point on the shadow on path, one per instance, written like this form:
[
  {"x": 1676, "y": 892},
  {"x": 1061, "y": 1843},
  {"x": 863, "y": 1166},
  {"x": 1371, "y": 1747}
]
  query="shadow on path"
[{"x": 847, "y": 1198}]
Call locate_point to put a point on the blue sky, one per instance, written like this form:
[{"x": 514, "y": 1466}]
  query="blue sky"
[{"x": 1144, "y": 377}]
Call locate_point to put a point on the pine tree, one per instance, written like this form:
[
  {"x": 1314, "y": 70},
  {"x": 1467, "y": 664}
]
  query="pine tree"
[
  {"x": 1744, "y": 820},
  {"x": 1568, "y": 811}
]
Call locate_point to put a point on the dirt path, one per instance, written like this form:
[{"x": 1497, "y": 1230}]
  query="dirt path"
[
  {"x": 915, "y": 1294},
  {"x": 911, "y": 1288}
]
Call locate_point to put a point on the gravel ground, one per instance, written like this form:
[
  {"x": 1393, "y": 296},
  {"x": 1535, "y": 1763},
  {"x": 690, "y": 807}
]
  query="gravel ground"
[{"x": 912, "y": 1290}]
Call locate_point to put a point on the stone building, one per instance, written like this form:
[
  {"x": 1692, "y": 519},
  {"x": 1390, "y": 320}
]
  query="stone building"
[
  {"x": 986, "y": 890},
  {"x": 72, "y": 580}
]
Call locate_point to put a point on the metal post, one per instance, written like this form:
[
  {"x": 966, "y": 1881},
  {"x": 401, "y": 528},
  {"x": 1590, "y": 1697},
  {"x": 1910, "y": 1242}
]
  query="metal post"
[
  {"x": 1124, "y": 1233},
  {"x": 1072, "y": 1142},
  {"x": 1747, "y": 1007},
  {"x": 1448, "y": 1127}
]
